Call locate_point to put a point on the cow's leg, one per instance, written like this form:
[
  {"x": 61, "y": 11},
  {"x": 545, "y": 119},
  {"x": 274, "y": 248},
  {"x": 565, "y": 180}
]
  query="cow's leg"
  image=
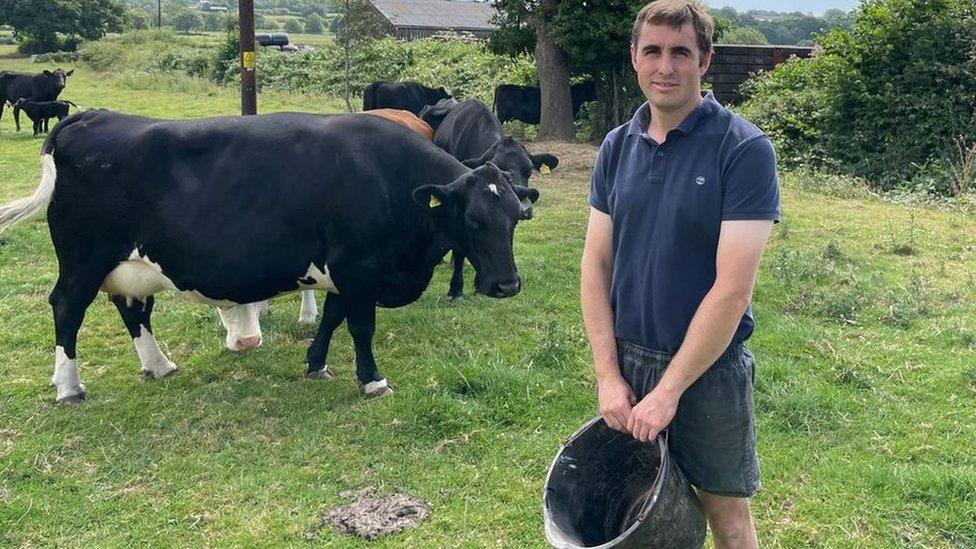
[
  {"x": 333, "y": 313},
  {"x": 17, "y": 118},
  {"x": 136, "y": 316},
  {"x": 70, "y": 298},
  {"x": 361, "y": 320},
  {"x": 46, "y": 120},
  {"x": 457, "y": 277},
  {"x": 310, "y": 309},
  {"x": 3, "y": 103}
]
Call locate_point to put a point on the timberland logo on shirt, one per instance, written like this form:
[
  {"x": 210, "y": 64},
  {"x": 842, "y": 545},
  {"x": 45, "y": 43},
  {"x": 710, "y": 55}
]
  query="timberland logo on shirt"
[{"x": 700, "y": 180}]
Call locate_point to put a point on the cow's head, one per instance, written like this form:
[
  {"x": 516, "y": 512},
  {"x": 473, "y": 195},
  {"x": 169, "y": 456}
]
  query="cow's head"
[
  {"x": 513, "y": 158},
  {"x": 59, "y": 77},
  {"x": 436, "y": 94},
  {"x": 243, "y": 325},
  {"x": 478, "y": 212}
]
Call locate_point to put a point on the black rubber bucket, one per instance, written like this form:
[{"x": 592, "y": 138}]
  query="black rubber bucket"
[{"x": 607, "y": 489}]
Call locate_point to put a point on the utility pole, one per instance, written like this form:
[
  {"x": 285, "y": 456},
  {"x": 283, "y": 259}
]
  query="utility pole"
[
  {"x": 159, "y": 14},
  {"x": 249, "y": 98}
]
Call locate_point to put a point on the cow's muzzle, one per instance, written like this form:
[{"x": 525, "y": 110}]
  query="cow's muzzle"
[{"x": 506, "y": 288}]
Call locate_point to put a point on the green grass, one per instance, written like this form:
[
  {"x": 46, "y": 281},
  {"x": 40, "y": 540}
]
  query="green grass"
[{"x": 866, "y": 384}]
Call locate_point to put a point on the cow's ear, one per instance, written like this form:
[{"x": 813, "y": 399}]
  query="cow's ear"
[
  {"x": 47, "y": 73},
  {"x": 432, "y": 197},
  {"x": 527, "y": 197},
  {"x": 69, "y": 73},
  {"x": 544, "y": 162}
]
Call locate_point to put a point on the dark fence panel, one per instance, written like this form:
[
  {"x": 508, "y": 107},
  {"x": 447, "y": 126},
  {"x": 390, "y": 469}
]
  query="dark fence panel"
[{"x": 734, "y": 64}]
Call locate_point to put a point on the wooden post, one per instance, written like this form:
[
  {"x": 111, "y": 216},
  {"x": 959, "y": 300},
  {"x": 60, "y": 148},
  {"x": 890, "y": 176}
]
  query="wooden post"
[{"x": 249, "y": 98}]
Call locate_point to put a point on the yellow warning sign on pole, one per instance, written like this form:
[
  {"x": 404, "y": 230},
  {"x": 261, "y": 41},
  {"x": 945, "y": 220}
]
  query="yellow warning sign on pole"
[{"x": 247, "y": 59}]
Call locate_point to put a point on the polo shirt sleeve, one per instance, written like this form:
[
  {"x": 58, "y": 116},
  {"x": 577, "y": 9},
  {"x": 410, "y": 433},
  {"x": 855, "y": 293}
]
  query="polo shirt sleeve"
[
  {"x": 599, "y": 188},
  {"x": 751, "y": 184}
]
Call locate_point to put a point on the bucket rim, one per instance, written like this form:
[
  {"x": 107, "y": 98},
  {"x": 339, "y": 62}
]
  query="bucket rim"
[{"x": 555, "y": 535}]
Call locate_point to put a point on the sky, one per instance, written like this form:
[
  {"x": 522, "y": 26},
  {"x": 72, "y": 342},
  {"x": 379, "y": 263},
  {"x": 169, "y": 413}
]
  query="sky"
[{"x": 815, "y": 7}]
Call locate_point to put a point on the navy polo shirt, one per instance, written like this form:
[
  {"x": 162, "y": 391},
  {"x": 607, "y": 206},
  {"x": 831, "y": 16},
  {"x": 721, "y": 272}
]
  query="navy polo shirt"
[{"x": 667, "y": 202}]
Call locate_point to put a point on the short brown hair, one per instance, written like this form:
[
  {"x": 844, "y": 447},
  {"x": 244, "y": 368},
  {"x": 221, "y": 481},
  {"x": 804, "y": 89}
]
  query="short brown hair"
[{"x": 676, "y": 13}]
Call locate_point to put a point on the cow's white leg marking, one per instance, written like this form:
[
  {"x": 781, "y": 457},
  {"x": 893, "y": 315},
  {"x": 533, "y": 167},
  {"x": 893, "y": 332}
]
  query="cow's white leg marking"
[
  {"x": 154, "y": 362},
  {"x": 66, "y": 378},
  {"x": 377, "y": 388},
  {"x": 310, "y": 309},
  {"x": 243, "y": 324}
]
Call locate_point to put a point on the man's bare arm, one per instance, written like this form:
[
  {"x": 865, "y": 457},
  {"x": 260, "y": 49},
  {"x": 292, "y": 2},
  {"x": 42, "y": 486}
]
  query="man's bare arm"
[
  {"x": 615, "y": 396},
  {"x": 740, "y": 248}
]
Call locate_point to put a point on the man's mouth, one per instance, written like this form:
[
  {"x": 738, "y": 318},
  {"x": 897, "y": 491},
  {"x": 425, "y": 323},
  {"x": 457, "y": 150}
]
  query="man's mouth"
[{"x": 664, "y": 86}]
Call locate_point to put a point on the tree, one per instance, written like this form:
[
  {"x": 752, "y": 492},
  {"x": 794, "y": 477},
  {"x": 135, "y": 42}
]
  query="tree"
[
  {"x": 357, "y": 23},
  {"x": 293, "y": 26},
  {"x": 213, "y": 21},
  {"x": 314, "y": 24},
  {"x": 187, "y": 20},
  {"x": 43, "y": 21},
  {"x": 136, "y": 19},
  {"x": 744, "y": 35},
  {"x": 531, "y": 21}
]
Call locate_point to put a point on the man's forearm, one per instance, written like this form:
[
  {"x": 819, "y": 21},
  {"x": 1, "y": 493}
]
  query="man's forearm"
[
  {"x": 708, "y": 336},
  {"x": 598, "y": 320}
]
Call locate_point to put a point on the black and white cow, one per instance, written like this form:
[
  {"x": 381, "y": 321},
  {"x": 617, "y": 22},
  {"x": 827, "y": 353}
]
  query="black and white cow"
[
  {"x": 236, "y": 210},
  {"x": 42, "y": 86},
  {"x": 524, "y": 103},
  {"x": 406, "y": 96},
  {"x": 471, "y": 133},
  {"x": 41, "y": 111}
]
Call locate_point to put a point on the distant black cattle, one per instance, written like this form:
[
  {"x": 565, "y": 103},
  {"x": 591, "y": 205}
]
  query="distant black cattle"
[
  {"x": 525, "y": 102},
  {"x": 472, "y": 134},
  {"x": 357, "y": 205},
  {"x": 41, "y": 111},
  {"x": 407, "y": 96},
  {"x": 42, "y": 86}
]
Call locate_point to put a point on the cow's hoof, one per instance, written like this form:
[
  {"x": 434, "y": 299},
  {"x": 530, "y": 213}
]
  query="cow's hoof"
[
  {"x": 377, "y": 388},
  {"x": 325, "y": 373},
  {"x": 307, "y": 319},
  {"x": 76, "y": 398},
  {"x": 169, "y": 369},
  {"x": 452, "y": 297}
]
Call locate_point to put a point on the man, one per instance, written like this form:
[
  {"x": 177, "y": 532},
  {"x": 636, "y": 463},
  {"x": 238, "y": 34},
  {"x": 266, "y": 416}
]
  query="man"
[{"x": 683, "y": 200}]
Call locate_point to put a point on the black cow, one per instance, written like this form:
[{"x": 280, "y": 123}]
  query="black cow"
[
  {"x": 42, "y": 86},
  {"x": 41, "y": 111},
  {"x": 471, "y": 133},
  {"x": 235, "y": 210},
  {"x": 525, "y": 102},
  {"x": 406, "y": 96}
]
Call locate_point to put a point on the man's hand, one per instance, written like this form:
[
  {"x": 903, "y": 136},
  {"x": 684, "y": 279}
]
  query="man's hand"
[
  {"x": 616, "y": 400},
  {"x": 652, "y": 414}
]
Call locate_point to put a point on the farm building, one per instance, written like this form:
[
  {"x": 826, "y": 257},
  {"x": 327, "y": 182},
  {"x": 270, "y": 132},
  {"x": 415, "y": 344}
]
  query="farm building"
[{"x": 413, "y": 19}]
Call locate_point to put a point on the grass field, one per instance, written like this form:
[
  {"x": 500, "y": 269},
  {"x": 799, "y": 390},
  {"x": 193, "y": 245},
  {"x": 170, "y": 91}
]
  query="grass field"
[{"x": 866, "y": 383}]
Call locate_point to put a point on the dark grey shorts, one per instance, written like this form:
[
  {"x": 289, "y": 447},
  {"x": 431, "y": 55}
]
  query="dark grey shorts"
[{"x": 713, "y": 434}]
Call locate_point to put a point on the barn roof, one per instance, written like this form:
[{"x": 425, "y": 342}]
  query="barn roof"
[{"x": 441, "y": 14}]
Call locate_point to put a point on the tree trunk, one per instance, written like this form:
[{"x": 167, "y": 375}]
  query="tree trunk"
[{"x": 556, "y": 120}]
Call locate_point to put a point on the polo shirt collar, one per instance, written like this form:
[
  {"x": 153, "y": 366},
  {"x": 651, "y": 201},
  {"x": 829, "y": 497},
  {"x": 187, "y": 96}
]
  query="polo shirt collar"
[{"x": 708, "y": 107}]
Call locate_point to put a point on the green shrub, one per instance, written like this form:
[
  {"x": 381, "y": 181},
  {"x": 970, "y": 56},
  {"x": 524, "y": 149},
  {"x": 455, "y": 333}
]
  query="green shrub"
[
  {"x": 883, "y": 100},
  {"x": 465, "y": 69}
]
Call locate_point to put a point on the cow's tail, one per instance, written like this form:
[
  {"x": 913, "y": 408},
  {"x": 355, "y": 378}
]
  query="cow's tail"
[{"x": 19, "y": 210}]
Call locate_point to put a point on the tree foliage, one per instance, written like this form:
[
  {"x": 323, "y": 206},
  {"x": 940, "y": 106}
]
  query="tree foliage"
[
  {"x": 884, "y": 100},
  {"x": 314, "y": 24},
  {"x": 187, "y": 20},
  {"x": 42, "y": 22}
]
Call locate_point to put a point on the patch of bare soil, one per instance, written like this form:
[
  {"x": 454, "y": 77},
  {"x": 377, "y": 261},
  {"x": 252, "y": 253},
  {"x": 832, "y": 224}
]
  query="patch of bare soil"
[{"x": 371, "y": 515}]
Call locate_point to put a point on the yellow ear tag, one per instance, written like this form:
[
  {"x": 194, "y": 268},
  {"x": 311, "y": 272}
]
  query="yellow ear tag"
[
  {"x": 544, "y": 170},
  {"x": 434, "y": 201}
]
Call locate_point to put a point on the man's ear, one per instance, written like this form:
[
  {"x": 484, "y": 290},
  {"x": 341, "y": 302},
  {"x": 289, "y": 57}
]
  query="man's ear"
[
  {"x": 704, "y": 63},
  {"x": 432, "y": 197}
]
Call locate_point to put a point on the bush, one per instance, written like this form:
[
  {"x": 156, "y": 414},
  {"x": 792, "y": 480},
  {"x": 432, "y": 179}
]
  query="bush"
[
  {"x": 31, "y": 46},
  {"x": 466, "y": 69},
  {"x": 293, "y": 26},
  {"x": 883, "y": 100},
  {"x": 314, "y": 24}
]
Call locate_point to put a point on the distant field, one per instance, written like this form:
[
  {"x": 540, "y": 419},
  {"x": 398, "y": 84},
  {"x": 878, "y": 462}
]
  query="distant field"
[{"x": 865, "y": 383}]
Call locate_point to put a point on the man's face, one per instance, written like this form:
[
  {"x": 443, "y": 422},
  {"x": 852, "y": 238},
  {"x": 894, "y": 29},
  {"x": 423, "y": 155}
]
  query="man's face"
[{"x": 669, "y": 66}]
